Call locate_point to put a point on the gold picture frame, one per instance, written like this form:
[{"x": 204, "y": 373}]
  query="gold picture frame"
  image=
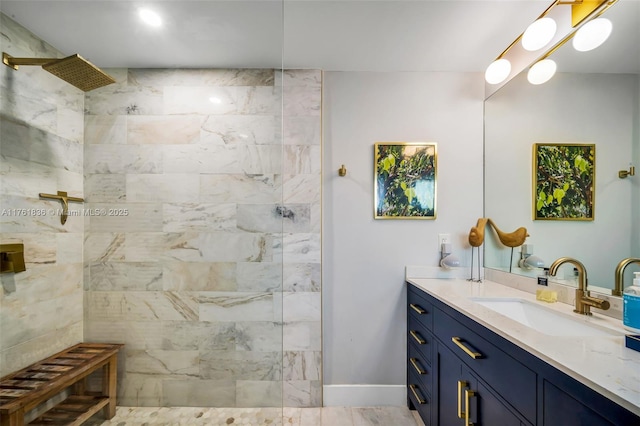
[
  {"x": 564, "y": 181},
  {"x": 405, "y": 180}
]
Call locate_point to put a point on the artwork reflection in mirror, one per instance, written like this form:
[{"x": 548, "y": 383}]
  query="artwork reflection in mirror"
[
  {"x": 564, "y": 178},
  {"x": 405, "y": 180}
]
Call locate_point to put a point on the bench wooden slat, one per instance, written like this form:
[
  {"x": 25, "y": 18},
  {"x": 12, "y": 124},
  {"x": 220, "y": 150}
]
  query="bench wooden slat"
[
  {"x": 21, "y": 384},
  {"x": 13, "y": 393},
  {"x": 33, "y": 375},
  {"x": 66, "y": 361}
]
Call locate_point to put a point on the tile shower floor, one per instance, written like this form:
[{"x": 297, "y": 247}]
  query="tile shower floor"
[{"x": 326, "y": 416}]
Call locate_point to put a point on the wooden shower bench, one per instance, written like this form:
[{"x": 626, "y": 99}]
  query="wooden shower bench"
[{"x": 26, "y": 389}]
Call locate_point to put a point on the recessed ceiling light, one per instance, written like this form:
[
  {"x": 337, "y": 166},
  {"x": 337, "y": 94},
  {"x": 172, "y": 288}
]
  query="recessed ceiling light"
[
  {"x": 150, "y": 17},
  {"x": 215, "y": 100}
]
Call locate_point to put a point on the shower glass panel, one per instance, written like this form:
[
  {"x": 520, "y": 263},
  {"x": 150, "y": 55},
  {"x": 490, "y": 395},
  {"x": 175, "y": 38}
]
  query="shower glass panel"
[{"x": 197, "y": 245}]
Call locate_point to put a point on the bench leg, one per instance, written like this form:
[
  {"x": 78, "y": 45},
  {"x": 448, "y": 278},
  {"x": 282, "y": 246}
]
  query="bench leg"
[
  {"x": 14, "y": 419},
  {"x": 109, "y": 381}
]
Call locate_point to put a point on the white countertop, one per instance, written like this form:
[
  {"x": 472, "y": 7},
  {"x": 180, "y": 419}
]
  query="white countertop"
[{"x": 602, "y": 363}]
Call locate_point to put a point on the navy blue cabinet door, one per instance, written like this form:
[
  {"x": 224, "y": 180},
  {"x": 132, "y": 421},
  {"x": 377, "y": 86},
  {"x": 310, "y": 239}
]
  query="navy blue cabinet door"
[
  {"x": 459, "y": 391},
  {"x": 449, "y": 372}
]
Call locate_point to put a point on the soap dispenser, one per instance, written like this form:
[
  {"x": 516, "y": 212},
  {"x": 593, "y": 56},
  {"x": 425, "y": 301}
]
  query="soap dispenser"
[{"x": 631, "y": 305}]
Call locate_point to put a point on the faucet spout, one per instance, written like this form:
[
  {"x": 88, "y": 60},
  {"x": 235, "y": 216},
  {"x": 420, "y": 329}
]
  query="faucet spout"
[
  {"x": 619, "y": 283},
  {"x": 584, "y": 301},
  {"x": 582, "y": 271}
]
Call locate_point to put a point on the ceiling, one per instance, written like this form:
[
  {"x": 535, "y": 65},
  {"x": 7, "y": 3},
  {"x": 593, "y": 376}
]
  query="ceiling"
[{"x": 346, "y": 35}]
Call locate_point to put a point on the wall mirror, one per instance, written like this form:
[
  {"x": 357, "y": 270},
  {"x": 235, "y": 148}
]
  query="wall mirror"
[{"x": 593, "y": 99}]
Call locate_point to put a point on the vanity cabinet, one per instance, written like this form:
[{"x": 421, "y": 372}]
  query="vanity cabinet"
[{"x": 461, "y": 373}]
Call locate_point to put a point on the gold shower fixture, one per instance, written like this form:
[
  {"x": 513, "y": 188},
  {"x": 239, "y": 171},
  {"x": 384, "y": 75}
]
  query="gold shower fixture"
[{"x": 73, "y": 69}]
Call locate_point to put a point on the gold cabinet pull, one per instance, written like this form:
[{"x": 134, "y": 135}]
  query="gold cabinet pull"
[
  {"x": 468, "y": 394},
  {"x": 472, "y": 354},
  {"x": 414, "y": 389},
  {"x": 461, "y": 385},
  {"x": 418, "y": 309},
  {"x": 418, "y": 338},
  {"x": 415, "y": 364}
]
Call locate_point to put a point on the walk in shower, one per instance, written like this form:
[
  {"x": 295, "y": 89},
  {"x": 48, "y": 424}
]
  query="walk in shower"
[{"x": 198, "y": 242}]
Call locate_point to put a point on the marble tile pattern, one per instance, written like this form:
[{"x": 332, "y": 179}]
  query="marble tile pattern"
[
  {"x": 41, "y": 149},
  {"x": 207, "y": 263},
  {"x": 325, "y": 416}
]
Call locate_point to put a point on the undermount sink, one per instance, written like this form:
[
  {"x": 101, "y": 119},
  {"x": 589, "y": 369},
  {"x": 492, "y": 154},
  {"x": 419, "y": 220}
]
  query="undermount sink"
[{"x": 542, "y": 319}]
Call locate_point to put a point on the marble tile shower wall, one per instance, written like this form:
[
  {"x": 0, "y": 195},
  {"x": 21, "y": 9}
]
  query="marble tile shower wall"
[
  {"x": 41, "y": 150},
  {"x": 207, "y": 263}
]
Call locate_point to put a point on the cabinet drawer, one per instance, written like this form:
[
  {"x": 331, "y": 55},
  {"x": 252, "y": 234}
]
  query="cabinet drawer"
[
  {"x": 419, "y": 397},
  {"x": 419, "y": 308},
  {"x": 419, "y": 366},
  {"x": 418, "y": 335},
  {"x": 515, "y": 382}
]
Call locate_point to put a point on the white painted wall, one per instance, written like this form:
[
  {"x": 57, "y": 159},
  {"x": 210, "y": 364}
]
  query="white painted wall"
[{"x": 363, "y": 259}]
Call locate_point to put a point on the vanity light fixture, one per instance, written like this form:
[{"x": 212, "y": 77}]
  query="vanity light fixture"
[
  {"x": 592, "y": 34},
  {"x": 539, "y": 34},
  {"x": 554, "y": 27},
  {"x": 150, "y": 17},
  {"x": 448, "y": 260}
]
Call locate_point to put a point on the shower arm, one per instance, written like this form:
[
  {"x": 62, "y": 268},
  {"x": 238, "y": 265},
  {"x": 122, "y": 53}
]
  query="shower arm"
[{"x": 12, "y": 62}]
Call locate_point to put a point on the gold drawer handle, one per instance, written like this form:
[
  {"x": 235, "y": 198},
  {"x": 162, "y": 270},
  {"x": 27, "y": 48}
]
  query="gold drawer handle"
[
  {"x": 461, "y": 385},
  {"x": 467, "y": 395},
  {"x": 416, "y": 365},
  {"x": 418, "y": 309},
  {"x": 414, "y": 389},
  {"x": 418, "y": 338},
  {"x": 472, "y": 354}
]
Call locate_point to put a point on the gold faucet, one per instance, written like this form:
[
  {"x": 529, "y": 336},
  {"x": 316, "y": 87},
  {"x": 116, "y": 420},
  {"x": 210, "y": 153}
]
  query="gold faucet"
[
  {"x": 619, "y": 286},
  {"x": 584, "y": 301}
]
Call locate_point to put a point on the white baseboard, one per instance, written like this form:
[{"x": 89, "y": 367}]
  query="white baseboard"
[{"x": 364, "y": 395}]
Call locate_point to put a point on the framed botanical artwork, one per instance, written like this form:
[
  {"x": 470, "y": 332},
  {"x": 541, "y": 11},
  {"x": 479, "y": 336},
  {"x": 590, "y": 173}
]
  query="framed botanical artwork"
[
  {"x": 405, "y": 180},
  {"x": 564, "y": 179}
]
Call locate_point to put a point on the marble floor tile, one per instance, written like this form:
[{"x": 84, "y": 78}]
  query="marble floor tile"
[{"x": 195, "y": 416}]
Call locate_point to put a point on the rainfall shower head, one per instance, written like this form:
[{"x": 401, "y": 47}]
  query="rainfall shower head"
[{"x": 73, "y": 69}]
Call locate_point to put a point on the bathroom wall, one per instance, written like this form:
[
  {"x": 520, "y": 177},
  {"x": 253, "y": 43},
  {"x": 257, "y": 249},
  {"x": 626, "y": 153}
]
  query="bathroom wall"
[
  {"x": 364, "y": 307},
  {"x": 206, "y": 259},
  {"x": 41, "y": 144}
]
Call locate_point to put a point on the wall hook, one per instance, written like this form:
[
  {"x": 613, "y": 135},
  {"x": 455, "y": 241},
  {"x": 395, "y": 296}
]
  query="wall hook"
[
  {"x": 342, "y": 171},
  {"x": 623, "y": 174},
  {"x": 62, "y": 196}
]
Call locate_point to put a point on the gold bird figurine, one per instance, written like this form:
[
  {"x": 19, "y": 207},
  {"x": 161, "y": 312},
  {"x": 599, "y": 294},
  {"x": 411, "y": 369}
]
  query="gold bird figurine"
[
  {"x": 476, "y": 234},
  {"x": 511, "y": 239}
]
